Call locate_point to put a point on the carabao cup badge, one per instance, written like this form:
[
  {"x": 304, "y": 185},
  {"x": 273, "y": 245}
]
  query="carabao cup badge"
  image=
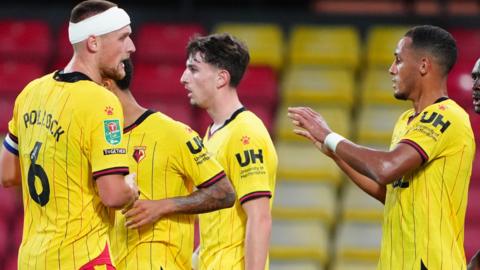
[{"x": 112, "y": 131}]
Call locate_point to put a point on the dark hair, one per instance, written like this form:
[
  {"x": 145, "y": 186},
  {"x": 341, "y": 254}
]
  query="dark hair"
[
  {"x": 88, "y": 9},
  {"x": 436, "y": 41},
  {"x": 124, "y": 84},
  {"x": 223, "y": 51}
]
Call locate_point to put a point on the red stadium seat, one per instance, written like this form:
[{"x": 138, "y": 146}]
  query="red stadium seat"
[
  {"x": 164, "y": 43},
  {"x": 14, "y": 76},
  {"x": 6, "y": 112},
  {"x": 259, "y": 86},
  {"x": 64, "y": 49},
  {"x": 472, "y": 236},
  {"x": 25, "y": 41},
  {"x": 158, "y": 83},
  {"x": 473, "y": 206},
  {"x": 460, "y": 83},
  {"x": 11, "y": 262},
  {"x": 4, "y": 236}
]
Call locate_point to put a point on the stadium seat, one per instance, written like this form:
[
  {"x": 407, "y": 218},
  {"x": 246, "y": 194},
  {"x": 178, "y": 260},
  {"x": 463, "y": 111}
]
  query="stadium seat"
[
  {"x": 4, "y": 237},
  {"x": 6, "y": 112},
  {"x": 159, "y": 83},
  {"x": 358, "y": 241},
  {"x": 332, "y": 46},
  {"x": 299, "y": 239},
  {"x": 375, "y": 123},
  {"x": 377, "y": 88},
  {"x": 353, "y": 265},
  {"x": 459, "y": 83},
  {"x": 473, "y": 206},
  {"x": 260, "y": 86},
  {"x": 295, "y": 265},
  {"x": 26, "y": 41},
  {"x": 63, "y": 50},
  {"x": 381, "y": 43},
  {"x": 304, "y": 161},
  {"x": 359, "y": 206},
  {"x": 337, "y": 117},
  {"x": 317, "y": 200},
  {"x": 264, "y": 41},
  {"x": 472, "y": 234},
  {"x": 14, "y": 76},
  {"x": 164, "y": 43},
  {"x": 314, "y": 85}
]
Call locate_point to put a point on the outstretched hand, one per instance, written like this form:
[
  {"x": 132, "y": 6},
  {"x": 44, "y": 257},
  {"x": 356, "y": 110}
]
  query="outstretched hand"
[
  {"x": 144, "y": 212},
  {"x": 312, "y": 124}
]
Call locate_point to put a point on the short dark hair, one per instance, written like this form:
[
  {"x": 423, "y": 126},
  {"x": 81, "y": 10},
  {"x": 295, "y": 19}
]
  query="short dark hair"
[
  {"x": 438, "y": 42},
  {"x": 88, "y": 9},
  {"x": 124, "y": 84},
  {"x": 223, "y": 51}
]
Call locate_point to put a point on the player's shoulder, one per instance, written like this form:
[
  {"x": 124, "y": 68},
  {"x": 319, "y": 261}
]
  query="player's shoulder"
[
  {"x": 249, "y": 128},
  {"x": 172, "y": 127}
]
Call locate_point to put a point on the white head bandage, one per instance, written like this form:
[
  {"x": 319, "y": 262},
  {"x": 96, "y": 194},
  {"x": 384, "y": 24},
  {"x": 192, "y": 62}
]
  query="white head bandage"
[{"x": 108, "y": 21}]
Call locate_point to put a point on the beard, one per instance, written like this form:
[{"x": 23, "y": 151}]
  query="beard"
[
  {"x": 112, "y": 73},
  {"x": 400, "y": 96}
]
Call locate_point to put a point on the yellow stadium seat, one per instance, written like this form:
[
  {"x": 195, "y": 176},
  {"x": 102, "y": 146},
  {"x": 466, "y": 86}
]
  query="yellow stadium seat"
[
  {"x": 300, "y": 199},
  {"x": 358, "y": 241},
  {"x": 265, "y": 41},
  {"x": 299, "y": 239},
  {"x": 353, "y": 265},
  {"x": 325, "y": 45},
  {"x": 338, "y": 119},
  {"x": 295, "y": 265},
  {"x": 381, "y": 44},
  {"x": 377, "y": 88},
  {"x": 314, "y": 85},
  {"x": 359, "y": 206},
  {"x": 376, "y": 122},
  {"x": 304, "y": 161}
]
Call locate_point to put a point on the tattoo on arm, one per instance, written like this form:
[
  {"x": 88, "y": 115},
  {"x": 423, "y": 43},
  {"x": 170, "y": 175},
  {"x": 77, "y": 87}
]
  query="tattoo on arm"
[{"x": 217, "y": 196}]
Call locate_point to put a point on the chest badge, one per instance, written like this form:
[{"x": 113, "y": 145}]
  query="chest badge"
[{"x": 139, "y": 153}]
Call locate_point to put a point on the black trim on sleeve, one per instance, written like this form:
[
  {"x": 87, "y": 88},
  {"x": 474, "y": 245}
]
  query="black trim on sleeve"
[
  {"x": 114, "y": 170},
  {"x": 418, "y": 148},
  {"x": 255, "y": 195},
  {"x": 212, "y": 180}
]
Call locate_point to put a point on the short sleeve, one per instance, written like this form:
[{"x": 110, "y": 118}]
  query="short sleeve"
[
  {"x": 107, "y": 148},
  {"x": 195, "y": 161},
  {"x": 427, "y": 134},
  {"x": 248, "y": 153}
]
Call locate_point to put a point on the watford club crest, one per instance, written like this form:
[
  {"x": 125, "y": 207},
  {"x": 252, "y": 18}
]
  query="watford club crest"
[{"x": 139, "y": 153}]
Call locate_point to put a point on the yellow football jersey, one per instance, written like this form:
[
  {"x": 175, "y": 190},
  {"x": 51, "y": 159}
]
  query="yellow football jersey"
[
  {"x": 245, "y": 150},
  {"x": 425, "y": 210},
  {"x": 65, "y": 140},
  {"x": 169, "y": 159}
]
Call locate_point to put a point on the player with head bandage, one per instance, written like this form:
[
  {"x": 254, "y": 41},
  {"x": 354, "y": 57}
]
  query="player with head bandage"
[{"x": 65, "y": 147}]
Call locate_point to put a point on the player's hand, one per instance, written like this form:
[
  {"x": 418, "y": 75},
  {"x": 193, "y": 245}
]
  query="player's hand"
[
  {"x": 312, "y": 122},
  {"x": 145, "y": 212}
]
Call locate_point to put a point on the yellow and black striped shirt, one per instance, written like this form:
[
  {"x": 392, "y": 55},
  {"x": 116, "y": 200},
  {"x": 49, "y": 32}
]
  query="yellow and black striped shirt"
[
  {"x": 68, "y": 131},
  {"x": 169, "y": 159},
  {"x": 425, "y": 210}
]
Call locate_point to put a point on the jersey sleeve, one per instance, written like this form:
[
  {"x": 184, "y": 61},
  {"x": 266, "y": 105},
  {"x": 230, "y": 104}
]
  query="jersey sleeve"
[
  {"x": 195, "y": 162},
  {"x": 427, "y": 133},
  {"x": 107, "y": 148},
  {"x": 247, "y": 166}
]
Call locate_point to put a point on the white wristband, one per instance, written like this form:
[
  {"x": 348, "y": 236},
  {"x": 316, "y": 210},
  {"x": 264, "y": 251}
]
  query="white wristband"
[{"x": 332, "y": 140}]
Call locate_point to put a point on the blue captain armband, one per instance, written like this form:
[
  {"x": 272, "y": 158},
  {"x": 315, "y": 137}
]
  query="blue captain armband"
[{"x": 11, "y": 143}]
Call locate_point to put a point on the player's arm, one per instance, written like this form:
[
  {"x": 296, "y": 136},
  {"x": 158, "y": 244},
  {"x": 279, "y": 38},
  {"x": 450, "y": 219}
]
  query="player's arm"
[
  {"x": 214, "y": 197},
  {"x": 9, "y": 164},
  {"x": 115, "y": 192},
  {"x": 257, "y": 236},
  {"x": 384, "y": 167}
]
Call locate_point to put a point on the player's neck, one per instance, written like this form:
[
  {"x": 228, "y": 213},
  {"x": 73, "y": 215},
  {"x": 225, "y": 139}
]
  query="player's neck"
[
  {"x": 131, "y": 109},
  {"x": 430, "y": 94},
  {"x": 223, "y": 107},
  {"x": 78, "y": 64}
]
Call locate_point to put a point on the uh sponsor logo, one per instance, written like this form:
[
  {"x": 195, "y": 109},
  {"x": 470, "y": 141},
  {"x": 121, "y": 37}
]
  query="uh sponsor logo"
[
  {"x": 249, "y": 156},
  {"x": 112, "y": 131}
]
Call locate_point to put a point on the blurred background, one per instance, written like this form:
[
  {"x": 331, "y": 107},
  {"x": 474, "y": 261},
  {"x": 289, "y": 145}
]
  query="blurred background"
[{"x": 332, "y": 55}]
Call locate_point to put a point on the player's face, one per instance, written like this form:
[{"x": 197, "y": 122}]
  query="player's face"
[
  {"x": 115, "y": 47},
  {"x": 199, "y": 79},
  {"x": 403, "y": 70},
  {"x": 476, "y": 86}
]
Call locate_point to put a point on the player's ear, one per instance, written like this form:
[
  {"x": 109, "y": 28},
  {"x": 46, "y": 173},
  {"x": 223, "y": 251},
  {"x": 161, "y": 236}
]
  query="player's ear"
[
  {"x": 92, "y": 43},
  {"x": 223, "y": 78},
  {"x": 425, "y": 65}
]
